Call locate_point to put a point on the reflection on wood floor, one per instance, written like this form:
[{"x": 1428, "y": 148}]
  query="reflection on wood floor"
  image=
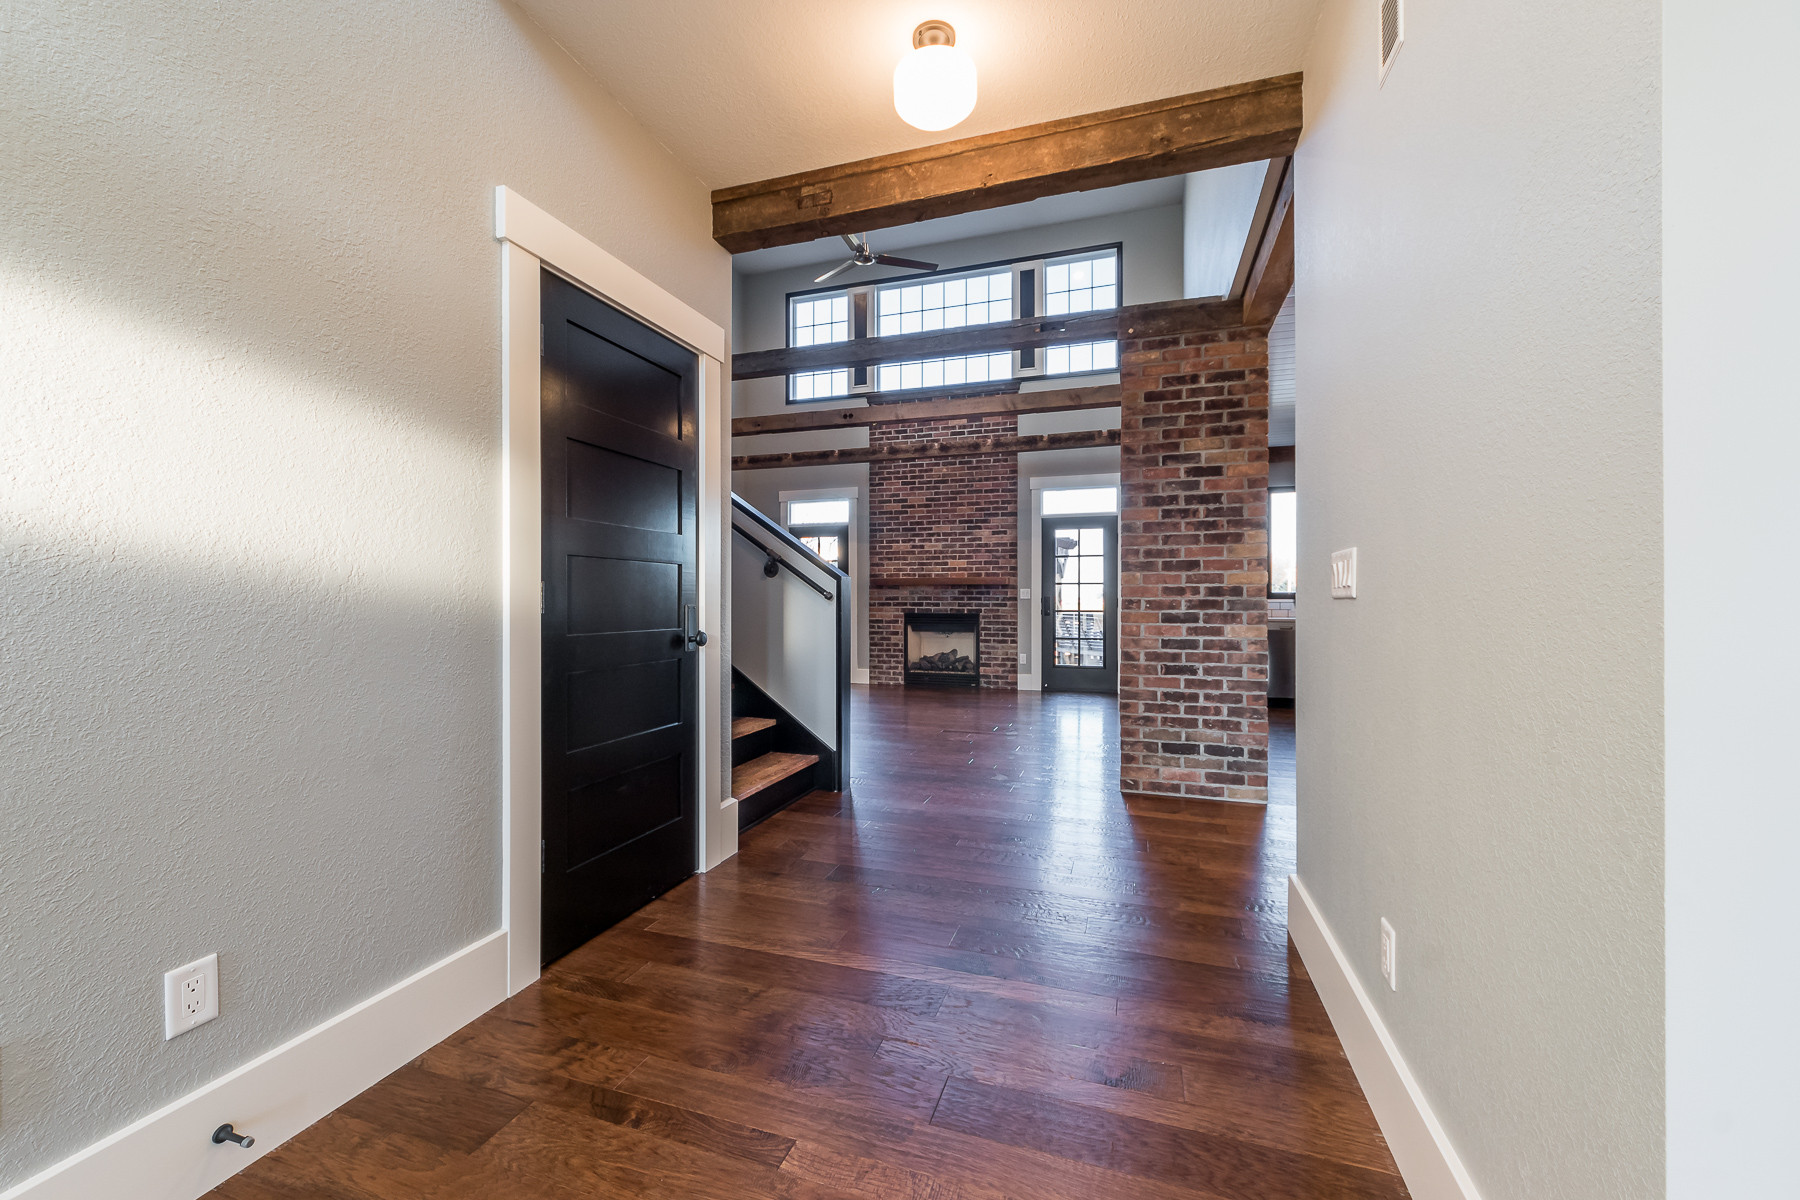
[{"x": 985, "y": 976}]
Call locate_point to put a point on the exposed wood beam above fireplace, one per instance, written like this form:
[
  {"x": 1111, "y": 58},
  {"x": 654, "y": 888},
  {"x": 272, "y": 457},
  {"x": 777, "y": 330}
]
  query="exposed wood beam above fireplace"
[
  {"x": 949, "y": 448},
  {"x": 1241, "y": 123},
  {"x": 934, "y": 581},
  {"x": 1023, "y": 334},
  {"x": 1060, "y": 400}
]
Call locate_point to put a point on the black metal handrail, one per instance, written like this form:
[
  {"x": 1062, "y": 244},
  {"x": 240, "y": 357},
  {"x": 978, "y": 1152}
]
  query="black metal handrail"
[
  {"x": 788, "y": 540},
  {"x": 782, "y": 562}
]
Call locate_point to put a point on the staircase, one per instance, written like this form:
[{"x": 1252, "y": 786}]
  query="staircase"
[
  {"x": 790, "y": 698},
  {"x": 765, "y": 780},
  {"x": 774, "y": 759}
]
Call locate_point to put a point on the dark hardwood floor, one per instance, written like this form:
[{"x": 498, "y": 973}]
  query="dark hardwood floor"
[
  {"x": 985, "y": 976},
  {"x": 1281, "y": 756}
]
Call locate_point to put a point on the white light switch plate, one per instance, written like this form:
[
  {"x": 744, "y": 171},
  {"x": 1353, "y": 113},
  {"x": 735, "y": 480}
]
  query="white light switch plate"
[
  {"x": 1390, "y": 965},
  {"x": 1343, "y": 574},
  {"x": 190, "y": 996}
]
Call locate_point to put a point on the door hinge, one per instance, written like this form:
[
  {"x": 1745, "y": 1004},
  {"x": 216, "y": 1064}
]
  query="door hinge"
[
  {"x": 540, "y": 339},
  {"x": 543, "y": 858},
  {"x": 540, "y": 597}
]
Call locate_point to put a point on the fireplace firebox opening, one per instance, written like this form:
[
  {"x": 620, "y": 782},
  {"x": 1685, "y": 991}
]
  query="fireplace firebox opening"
[{"x": 943, "y": 649}]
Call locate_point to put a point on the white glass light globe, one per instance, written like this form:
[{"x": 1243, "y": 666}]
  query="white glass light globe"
[{"x": 934, "y": 87}]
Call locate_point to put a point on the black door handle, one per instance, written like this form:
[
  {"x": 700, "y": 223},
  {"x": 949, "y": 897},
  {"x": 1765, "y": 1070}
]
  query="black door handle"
[{"x": 696, "y": 637}]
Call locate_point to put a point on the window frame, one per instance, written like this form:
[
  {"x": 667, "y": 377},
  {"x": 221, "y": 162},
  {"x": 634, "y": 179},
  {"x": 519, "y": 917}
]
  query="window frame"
[
  {"x": 852, "y": 497},
  {"x": 1043, "y": 505},
  {"x": 839, "y": 531},
  {"x": 1272, "y": 594},
  {"x": 1026, "y": 364}
]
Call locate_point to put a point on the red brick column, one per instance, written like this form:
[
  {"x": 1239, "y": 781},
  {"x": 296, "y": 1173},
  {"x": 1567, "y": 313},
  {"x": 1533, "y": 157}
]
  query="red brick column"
[
  {"x": 940, "y": 519},
  {"x": 1194, "y": 563}
]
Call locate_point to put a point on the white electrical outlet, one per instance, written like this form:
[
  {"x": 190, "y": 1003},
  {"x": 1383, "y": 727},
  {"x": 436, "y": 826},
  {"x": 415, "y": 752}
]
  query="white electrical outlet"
[
  {"x": 1343, "y": 574},
  {"x": 190, "y": 996},
  {"x": 1389, "y": 968}
]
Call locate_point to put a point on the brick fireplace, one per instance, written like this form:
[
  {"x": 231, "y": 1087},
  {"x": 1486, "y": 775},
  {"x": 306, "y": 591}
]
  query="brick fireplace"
[{"x": 943, "y": 538}]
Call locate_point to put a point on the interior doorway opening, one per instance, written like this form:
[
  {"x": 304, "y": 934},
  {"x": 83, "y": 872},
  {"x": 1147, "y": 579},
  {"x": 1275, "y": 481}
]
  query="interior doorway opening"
[{"x": 1076, "y": 552}]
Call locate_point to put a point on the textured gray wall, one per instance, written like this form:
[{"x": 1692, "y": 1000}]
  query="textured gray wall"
[
  {"x": 249, "y": 558},
  {"x": 1479, "y": 414}
]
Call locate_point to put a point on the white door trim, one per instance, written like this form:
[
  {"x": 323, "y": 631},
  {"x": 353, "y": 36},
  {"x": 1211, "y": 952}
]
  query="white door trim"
[
  {"x": 1031, "y": 532},
  {"x": 530, "y": 239}
]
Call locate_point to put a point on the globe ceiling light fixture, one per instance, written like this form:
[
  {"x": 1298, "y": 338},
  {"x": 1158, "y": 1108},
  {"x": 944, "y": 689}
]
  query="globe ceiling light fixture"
[{"x": 934, "y": 84}]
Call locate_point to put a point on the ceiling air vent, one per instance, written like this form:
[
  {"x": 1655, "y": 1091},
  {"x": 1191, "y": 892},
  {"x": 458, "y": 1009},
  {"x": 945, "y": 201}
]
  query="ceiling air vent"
[{"x": 1393, "y": 32}]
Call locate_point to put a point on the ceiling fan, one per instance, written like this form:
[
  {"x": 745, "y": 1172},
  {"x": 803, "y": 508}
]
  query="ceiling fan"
[{"x": 862, "y": 256}]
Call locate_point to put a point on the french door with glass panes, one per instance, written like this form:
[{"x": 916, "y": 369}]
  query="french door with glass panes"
[{"x": 1081, "y": 604}]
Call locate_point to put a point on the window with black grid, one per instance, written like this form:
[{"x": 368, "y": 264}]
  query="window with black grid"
[
  {"x": 1080, "y": 601},
  {"x": 817, "y": 321},
  {"x": 1081, "y": 285}
]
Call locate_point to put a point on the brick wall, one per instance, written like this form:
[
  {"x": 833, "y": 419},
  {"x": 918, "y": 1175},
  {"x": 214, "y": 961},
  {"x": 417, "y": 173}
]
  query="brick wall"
[
  {"x": 941, "y": 519},
  {"x": 1193, "y": 579}
]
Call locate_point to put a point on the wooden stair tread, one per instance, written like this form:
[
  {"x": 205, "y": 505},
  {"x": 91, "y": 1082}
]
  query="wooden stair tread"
[
  {"x": 759, "y": 773},
  {"x": 745, "y": 726}
]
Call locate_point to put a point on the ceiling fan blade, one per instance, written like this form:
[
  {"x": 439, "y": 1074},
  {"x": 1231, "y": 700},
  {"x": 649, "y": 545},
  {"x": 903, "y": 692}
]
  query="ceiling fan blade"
[
  {"x": 888, "y": 260},
  {"x": 837, "y": 270}
]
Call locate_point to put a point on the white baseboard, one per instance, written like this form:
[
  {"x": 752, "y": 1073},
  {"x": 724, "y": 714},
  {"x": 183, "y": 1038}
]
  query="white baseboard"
[
  {"x": 1427, "y": 1160},
  {"x": 859, "y": 675},
  {"x": 169, "y": 1154}
]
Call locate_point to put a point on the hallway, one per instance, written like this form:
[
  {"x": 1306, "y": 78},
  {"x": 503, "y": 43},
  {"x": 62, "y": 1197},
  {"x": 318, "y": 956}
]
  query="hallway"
[{"x": 986, "y": 976}]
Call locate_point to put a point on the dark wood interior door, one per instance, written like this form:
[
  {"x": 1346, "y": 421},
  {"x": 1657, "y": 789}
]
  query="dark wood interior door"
[
  {"x": 1081, "y": 604},
  {"x": 620, "y": 513}
]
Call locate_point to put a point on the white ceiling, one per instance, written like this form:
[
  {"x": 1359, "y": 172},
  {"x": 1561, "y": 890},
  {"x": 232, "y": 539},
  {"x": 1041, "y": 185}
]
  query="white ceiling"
[
  {"x": 742, "y": 90},
  {"x": 1051, "y": 210}
]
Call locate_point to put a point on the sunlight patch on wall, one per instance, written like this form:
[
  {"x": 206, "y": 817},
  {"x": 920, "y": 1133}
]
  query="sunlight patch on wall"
[{"x": 132, "y": 441}]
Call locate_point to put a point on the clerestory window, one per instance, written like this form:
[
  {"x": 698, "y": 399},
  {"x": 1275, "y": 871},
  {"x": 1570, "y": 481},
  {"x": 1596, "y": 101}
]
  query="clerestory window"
[{"x": 1067, "y": 284}]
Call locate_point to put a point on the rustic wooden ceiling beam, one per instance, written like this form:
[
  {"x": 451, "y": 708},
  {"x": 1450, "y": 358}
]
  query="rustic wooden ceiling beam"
[
  {"x": 1272, "y": 277},
  {"x": 1259, "y": 222},
  {"x": 1245, "y": 122},
  {"x": 1059, "y": 400},
  {"x": 1024, "y": 334},
  {"x": 950, "y": 448}
]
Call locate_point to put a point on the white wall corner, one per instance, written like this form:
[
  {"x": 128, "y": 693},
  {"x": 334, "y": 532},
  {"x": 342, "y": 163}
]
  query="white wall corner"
[
  {"x": 1428, "y": 1162},
  {"x": 169, "y": 1155}
]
